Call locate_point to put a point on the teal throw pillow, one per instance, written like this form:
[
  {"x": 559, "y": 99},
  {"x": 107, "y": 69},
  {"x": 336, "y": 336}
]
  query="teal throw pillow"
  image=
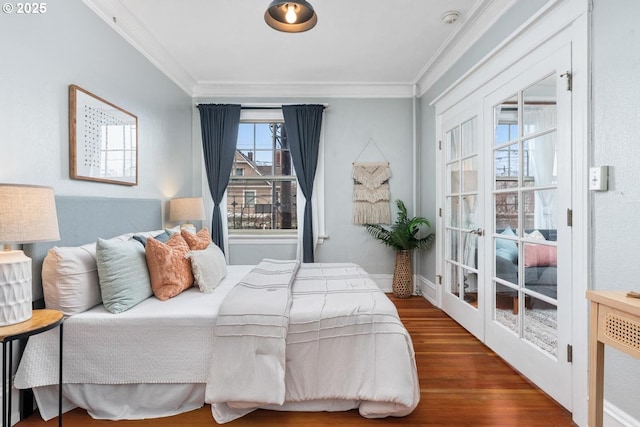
[
  {"x": 123, "y": 275},
  {"x": 507, "y": 249}
]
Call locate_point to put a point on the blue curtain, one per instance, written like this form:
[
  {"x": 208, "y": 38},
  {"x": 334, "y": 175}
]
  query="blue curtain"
[
  {"x": 219, "y": 124},
  {"x": 303, "y": 124}
]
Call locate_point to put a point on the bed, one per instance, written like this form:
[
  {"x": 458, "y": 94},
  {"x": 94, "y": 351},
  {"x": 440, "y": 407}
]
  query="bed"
[{"x": 279, "y": 335}]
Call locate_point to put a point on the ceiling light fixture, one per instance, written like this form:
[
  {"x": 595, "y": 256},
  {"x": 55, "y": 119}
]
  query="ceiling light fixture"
[{"x": 291, "y": 16}]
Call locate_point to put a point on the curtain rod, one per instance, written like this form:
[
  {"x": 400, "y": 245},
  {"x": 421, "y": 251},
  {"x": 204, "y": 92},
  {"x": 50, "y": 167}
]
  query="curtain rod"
[
  {"x": 261, "y": 108},
  {"x": 271, "y": 107},
  {"x": 274, "y": 107}
]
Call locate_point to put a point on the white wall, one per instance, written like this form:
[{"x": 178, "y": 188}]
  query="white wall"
[
  {"x": 40, "y": 57},
  {"x": 616, "y": 143},
  {"x": 349, "y": 124}
]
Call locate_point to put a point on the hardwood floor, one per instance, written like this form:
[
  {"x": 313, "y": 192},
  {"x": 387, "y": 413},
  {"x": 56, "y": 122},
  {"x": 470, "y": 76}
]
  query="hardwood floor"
[{"x": 462, "y": 383}]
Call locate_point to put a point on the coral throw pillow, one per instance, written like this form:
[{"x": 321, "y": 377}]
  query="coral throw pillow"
[
  {"x": 540, "y": 256},
  {"x": 198, "y": 241},
  {"x": 169, "y": 270}
]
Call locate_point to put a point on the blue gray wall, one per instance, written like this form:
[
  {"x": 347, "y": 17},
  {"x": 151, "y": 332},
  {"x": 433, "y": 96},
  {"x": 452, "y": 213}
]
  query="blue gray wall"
[
  {"x": 41, "y": 56},
  {"x": 616, "y": 130},
  {"x": 615, "y": 105},
  {"x": 507, "y": 24},
  {"x": 349, "y": 124}
]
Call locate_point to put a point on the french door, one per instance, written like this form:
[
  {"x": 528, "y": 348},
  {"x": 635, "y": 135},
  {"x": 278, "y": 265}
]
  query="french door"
[
  {"x": 463, "y": 276},
  {"x": 506, "y": 257}
]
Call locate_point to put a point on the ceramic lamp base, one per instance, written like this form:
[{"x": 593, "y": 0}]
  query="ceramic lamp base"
[
  {"x": 15, "y": 287},
  {"x": 189, "y": 227}
]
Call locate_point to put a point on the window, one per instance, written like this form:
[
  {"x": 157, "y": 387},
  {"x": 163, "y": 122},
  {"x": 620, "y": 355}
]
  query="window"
[
  {"x": 250, "y": 198},
  {"x": 263, "y": 197}
]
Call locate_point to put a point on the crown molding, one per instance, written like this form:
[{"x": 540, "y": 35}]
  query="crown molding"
[
  {"x": 483, "y": 15},
  {"x": 118, "y": 17},
  {"x": 304, "y": 89}
]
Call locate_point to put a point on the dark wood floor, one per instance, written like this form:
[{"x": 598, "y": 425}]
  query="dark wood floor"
[{"x": 462, "y": 383}]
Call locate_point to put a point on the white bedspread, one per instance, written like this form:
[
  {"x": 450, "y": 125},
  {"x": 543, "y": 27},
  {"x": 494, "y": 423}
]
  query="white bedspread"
[
  {"x": 345, "y": 341},
  {"x": 153, "y": 342}
]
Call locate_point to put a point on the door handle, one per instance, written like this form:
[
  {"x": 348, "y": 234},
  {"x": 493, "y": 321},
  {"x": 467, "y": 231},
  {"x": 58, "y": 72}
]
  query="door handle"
[{"x": 479, "y": 231}]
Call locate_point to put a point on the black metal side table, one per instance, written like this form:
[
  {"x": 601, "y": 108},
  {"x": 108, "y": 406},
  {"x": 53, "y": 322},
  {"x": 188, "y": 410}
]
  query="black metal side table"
[{"x": 41, "y": 321}]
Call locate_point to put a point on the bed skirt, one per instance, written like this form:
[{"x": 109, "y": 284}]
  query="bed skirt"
[{"x": 113, "y": 402}]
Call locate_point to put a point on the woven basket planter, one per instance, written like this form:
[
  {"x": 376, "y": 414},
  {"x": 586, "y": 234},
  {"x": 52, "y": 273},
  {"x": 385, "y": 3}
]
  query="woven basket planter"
[{"x": 402, "y": 275}]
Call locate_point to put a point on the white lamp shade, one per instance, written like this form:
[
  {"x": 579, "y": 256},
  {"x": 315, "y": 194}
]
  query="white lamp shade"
[
  {"x": 27, "y": 214},
  {"x": 186, "y": 209}
]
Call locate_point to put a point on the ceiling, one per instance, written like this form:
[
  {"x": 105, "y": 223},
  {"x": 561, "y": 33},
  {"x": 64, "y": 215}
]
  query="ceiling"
[{"x": 358, "y": 48}]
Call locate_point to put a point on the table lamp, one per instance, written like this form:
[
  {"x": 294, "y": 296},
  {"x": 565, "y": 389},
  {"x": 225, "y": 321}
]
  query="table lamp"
[
  {"x": 27, "y": 215},
  {"x": 186, "y": 209}
]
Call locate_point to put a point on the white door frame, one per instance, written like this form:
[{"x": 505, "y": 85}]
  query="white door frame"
[{"x": 557, "y": 23}]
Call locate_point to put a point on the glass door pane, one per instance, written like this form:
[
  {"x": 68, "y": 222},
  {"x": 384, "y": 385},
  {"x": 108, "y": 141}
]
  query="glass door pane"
[
  {"x": 461, "y": 241},
  {"x": 525, "y": 215}
]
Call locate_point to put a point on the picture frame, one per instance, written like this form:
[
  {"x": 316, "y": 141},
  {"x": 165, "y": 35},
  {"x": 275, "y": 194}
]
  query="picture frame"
[{"x": 103, "y": 140}]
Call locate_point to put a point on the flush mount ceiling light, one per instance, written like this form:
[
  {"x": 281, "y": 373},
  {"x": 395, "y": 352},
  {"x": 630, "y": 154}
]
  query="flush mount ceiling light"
[{"x": 291, "y": 16}]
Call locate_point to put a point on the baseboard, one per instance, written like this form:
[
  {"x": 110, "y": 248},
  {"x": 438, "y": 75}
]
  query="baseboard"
[
  {"x": 384, "y": 282},
  {"x": 427, "y": 289},
  {"x": 616, "y": 417},
  {"x": 422, "y": 287}
]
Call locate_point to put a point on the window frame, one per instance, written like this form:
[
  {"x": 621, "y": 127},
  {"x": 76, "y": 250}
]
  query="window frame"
[
  {"x": 253, "y": 194},
  {"x": 272, "y": 114}
]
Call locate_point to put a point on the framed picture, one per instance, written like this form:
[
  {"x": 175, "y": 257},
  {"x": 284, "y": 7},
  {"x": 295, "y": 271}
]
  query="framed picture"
[{"x": 103, "y": 140}]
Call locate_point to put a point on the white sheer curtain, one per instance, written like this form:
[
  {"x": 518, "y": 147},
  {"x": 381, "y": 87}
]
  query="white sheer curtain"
[
  {"x": 469, "y": 182},
  {"x": 543, "y": 160},
  {"x": 225, "y": 226},
  {"x": 471, "y": 241}
]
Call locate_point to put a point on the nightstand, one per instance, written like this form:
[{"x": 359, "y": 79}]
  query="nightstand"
[
  {"x": 614, "y": 321},
  {"x": 41, "y": 321}
]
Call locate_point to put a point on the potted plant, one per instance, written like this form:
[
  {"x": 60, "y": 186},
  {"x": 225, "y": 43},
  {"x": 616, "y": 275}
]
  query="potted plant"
[{"x": 404, "y": 235}]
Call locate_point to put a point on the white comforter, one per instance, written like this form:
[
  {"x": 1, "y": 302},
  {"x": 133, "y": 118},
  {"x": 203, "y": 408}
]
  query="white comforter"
[
  {"x": 344, "y": 342},
  {"x": 248, "y": 361}
]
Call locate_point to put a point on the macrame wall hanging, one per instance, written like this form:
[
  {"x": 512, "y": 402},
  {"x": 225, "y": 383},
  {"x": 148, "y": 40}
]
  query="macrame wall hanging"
[{"x": 371, "y": 192}]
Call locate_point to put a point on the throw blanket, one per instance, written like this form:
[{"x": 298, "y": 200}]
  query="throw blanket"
[
  {"x": 248, "y": 359},
  {"x": 344, "y": 342}
]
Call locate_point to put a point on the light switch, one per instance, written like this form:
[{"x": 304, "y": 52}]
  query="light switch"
[{"x": 598, "y": 177}]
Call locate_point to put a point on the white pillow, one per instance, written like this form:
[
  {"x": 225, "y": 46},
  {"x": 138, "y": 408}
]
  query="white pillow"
[
  {"x": 70, "y": 279},
  {"x": 208, "y": 266},
  {"x": 70, "y": 276},
  {"x": 535, "y": 234}
]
